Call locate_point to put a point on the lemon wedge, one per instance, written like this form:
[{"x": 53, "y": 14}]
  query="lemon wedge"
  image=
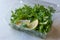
[
  {"x": 33, "y": 24},
  {"x": 30, "y": 25}
]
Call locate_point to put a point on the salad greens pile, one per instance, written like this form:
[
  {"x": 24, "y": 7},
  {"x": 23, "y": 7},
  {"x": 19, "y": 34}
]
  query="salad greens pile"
[{"x": 43, "y": 14}]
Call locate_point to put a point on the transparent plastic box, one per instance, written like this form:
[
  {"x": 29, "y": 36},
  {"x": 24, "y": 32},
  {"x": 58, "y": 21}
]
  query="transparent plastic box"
[{"x": 32, "y": 3}]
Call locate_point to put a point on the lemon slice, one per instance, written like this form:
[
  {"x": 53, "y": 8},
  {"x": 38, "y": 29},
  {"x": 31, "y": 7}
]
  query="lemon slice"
[
  {"x": 33, "y": 24},
  {"x": 30, "y": 26}
]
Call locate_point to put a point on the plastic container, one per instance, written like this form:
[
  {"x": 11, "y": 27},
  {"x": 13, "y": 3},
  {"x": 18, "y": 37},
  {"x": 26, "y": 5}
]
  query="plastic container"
[{"x": 32, "y": 3}]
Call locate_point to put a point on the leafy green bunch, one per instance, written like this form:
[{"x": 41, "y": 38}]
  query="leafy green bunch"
[{"x": 43, "y": 14}]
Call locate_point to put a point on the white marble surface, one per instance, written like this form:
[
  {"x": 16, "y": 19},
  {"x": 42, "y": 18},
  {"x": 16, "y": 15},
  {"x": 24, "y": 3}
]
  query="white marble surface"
[{"x": 6, "y": 33}]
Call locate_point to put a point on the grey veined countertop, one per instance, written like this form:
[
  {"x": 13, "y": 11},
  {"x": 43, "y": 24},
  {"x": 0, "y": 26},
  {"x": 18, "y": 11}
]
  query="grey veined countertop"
[{"x": 6, "y": 33}]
